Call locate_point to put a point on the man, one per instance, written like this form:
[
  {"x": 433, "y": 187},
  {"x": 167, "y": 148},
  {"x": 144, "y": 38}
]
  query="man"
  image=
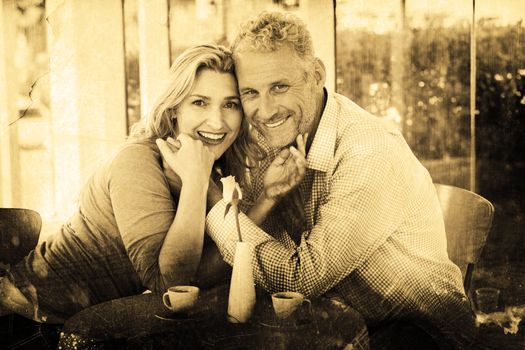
[{"x": 372, "y": 230}]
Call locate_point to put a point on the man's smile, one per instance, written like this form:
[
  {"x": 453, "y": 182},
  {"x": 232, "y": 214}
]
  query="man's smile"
[{"x": 276, "y": 123}]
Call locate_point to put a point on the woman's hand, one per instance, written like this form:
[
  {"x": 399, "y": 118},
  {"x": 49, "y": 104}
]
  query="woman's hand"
[
  {"x": 174, "y": 180},
  {"x": 188, "y": 158},
  {"x": 286, "y": 171}
]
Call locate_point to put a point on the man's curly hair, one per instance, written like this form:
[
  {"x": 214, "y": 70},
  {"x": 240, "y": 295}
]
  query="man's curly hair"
[{"x": 270, "y": 31}]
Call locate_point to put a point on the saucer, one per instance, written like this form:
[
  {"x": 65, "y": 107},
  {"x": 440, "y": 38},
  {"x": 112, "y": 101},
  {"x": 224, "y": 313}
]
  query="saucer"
[
  {"x": 299, "y": 319},
  {"x": 293, "y": 322},
  {"x": 168, "y": 315}
]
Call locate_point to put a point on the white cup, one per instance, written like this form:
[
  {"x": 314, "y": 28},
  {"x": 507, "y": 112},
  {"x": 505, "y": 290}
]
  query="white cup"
[
  {"x": 180, "y": 298},
  {"x": 285, "y": 303}
]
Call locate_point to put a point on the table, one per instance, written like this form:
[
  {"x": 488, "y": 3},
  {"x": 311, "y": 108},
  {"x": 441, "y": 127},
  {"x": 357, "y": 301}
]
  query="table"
[
  {"x": 142, "y": 321},
  {"x": 512, "y": 285}
]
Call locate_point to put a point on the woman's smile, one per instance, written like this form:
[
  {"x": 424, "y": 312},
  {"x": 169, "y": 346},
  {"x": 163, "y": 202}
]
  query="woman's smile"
[
  {"x": 211, "y": 138},
  {"x": 212, "y": 111}
]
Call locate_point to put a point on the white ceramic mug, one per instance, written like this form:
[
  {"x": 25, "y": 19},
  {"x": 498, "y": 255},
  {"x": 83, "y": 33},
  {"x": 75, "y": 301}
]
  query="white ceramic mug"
[
  {"x": 180, "y": 298},
  {"x": 285, "y": 303}
]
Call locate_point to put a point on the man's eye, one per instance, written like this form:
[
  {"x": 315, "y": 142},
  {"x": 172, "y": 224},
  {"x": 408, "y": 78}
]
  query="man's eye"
[
  {"x": 280, "y": 88},
  {"x": 249, "y": 93},
  {"x": 198, "y": 103},
  {"x": 231, "y": 105}
]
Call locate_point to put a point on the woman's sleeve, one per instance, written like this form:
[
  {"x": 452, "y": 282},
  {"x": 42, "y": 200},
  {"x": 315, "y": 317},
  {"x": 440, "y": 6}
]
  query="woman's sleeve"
[{"x": 143, "y": 209}]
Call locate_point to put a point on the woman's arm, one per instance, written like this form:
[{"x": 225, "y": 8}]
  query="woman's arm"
[
  {"x": 181, "y": 251},
  {"x": 285, "y": 173},
  {"x": 212, "y": 269}
]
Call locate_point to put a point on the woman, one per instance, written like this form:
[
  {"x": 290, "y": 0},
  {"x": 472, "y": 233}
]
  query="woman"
[{"x": 130, "y": 233}]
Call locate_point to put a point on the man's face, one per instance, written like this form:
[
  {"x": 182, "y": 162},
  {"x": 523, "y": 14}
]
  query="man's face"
[{"x": 279, "y": 98}]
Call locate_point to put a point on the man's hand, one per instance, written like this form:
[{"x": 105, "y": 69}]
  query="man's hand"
[{"x": 286, "y": 171}]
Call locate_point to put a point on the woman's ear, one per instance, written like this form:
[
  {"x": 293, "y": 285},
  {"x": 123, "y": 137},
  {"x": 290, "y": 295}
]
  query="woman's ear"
[{"x": 319, "y": 72}]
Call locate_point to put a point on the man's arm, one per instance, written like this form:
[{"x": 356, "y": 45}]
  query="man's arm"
[
  {"x": 284, "y": 174},
  {"x": 363, "y": 207}
]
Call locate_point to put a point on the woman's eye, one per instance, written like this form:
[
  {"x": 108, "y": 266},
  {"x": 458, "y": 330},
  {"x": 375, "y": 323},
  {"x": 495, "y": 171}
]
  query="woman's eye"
[
  {"x": 231, "y": 105},
  {"x": 198, "y": 103}
]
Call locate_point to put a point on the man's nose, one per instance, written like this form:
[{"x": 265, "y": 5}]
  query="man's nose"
[{"x": 267, "y": 108}]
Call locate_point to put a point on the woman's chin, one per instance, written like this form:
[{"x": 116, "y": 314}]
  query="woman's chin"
[{"x": 218, "y": 150}]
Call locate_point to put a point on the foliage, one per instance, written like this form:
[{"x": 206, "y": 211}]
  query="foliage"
[
  {"x": 433, "y": 79},
  {"x": 500, "y": 91}
]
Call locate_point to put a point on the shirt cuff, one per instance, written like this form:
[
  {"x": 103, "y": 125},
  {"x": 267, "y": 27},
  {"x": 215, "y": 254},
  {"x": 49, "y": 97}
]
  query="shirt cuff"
[{"x": 221, "y": 228}]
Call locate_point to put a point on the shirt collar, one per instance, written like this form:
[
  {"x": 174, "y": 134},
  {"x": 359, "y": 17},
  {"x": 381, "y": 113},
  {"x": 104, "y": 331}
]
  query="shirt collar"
[{"x": 322, "y": 149}]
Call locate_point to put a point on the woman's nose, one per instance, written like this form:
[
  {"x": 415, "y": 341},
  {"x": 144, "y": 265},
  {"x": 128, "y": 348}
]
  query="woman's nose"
[{"x": 215, "y": 119}]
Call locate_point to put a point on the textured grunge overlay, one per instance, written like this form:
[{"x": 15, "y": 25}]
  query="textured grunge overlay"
[{"x": 76, "y": 75}]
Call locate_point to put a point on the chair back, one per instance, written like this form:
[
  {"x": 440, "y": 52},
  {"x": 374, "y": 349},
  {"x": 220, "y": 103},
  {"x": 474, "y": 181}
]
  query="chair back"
[
  {"x": 468, "y": 219},
  {"x": 19, "y": 233}
]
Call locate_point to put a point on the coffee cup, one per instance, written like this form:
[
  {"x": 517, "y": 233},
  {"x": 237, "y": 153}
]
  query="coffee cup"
[
  {"x": 285, "y": 303},
  {"x": 180, "y": 298}
]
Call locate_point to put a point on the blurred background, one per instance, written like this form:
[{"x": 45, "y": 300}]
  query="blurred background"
[{"x": 75, "y": 75}]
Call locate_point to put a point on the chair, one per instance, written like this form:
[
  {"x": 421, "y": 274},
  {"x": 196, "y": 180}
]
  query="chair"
[
  {"x": 19, "y": 233},
  {"x": 468, "y": 219}
]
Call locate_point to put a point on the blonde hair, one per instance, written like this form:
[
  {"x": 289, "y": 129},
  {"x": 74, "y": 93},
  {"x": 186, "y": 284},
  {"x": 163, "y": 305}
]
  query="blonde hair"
[
  {"x": 270, "y": 31},
  {"x": 160, "y": 122}
]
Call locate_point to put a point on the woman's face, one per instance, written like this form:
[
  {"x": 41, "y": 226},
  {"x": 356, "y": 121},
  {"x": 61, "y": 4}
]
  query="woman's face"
[{"x": 212, "y": 111}]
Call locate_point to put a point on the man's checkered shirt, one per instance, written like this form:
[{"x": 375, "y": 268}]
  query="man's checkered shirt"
[{"x": 374, "y": 233}]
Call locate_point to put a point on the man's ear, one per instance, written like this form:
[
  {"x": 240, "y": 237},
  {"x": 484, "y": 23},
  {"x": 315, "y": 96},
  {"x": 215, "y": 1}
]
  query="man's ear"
[{"x": 319, "y": 72}]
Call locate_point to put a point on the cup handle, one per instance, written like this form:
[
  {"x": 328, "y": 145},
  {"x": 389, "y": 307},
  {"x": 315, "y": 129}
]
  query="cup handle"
[
  {"x": 166, "y": 300},
  {"x": 309, "y": 304}
]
